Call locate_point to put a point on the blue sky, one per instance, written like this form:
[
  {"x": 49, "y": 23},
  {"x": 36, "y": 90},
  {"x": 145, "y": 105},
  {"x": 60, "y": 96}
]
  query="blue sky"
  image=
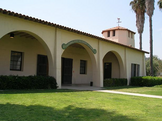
[{"x": 91, "y": 16}]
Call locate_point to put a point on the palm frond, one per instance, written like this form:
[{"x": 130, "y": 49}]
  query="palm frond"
[
  {"x": 149, "y": 7},
  {"x": 160, "y": 4}
]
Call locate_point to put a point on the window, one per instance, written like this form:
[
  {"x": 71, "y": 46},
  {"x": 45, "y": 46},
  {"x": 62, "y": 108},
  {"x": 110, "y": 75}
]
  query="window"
[
  {"x": 42, "y": 65},
  {"x": 16, "y": 61},
  {"x": 113, "y": 32},
  {"x": 135, "y": 70},
  {"x": 128, "y": 34},
  {"x": 132, "y": 35},
  {"x": 83, "y": 65},
  {"x": 108, "y": 34}
]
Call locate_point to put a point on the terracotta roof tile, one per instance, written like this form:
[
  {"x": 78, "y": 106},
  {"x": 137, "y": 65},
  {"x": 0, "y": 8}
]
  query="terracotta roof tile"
[
  {"x": 25, "y": 17},
  {"x": 117, "y": 28}
]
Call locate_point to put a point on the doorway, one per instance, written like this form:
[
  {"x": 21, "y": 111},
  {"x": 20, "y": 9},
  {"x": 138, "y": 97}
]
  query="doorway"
[
  {"x": 67, "y": 65},
  {"x": 42, "y": 65},
  {"x": 107, "y": 70}
]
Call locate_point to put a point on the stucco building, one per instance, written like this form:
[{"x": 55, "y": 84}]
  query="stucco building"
[{"x": 30, "y": 46}]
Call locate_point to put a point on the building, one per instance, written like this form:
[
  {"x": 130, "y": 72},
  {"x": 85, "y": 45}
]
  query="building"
[
  {"x": 30, "y": 46},
  {"x": 120, "y": 35}
]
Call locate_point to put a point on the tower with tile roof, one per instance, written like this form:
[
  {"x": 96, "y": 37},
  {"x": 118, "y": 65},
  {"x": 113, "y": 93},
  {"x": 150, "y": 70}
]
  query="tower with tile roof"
[{"x": 120, "y": 35}]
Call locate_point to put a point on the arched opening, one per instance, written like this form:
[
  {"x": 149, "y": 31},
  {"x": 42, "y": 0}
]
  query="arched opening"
[
  {"x": 78, "y": 65},
  {"x": 24, "y": 54},
  {"x": 112, "y": 66}
]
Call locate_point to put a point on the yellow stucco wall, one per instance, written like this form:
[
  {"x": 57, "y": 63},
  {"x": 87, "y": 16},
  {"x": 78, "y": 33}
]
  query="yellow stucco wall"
[
  {"x": 44, "y": 34},
  {"x": 111, "y": 58},
  {"x": 78, "y": 54},
  {"x": 30, "y": 49},
  {"x": 136, "y": 58},
  {"x": 49, "y": 41},
  {"x": 121, "y": 36}
]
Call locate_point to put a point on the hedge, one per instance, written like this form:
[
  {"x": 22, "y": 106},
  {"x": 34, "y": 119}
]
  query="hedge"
[
  {"x": 146, "y": 81},
  {"x": 27, "y": 82},
  {"x": 115, "y": 82}
]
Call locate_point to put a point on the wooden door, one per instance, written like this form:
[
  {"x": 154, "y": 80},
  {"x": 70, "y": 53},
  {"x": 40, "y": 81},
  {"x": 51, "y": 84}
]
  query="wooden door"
[
  {"x": 67, "y": 65},
  {"x": 42, "y": 65},
  {"x": 107, "y": 70}
]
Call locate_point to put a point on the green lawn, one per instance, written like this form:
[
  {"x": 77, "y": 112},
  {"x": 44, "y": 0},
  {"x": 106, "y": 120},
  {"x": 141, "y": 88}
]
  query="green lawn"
[
  {"x": 68, "y": 105},
  {"x": 156, "y": 90}
]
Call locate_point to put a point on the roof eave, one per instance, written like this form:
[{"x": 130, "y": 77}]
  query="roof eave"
[{"x": 6, "y": 12}]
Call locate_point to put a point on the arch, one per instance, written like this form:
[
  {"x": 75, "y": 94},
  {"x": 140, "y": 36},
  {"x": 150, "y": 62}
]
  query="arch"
[
  {"x": 41, "y": 41},
  {"x": 118, "y": 61},
  {"x": 64, "y": 46},
  {"x": 34, "y": 35},
  {"x": 87, "y": 48}
]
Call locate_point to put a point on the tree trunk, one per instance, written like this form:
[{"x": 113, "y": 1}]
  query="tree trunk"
[
  {"x": 151, "y": 46},
  {"x": 140, "y": 39}
]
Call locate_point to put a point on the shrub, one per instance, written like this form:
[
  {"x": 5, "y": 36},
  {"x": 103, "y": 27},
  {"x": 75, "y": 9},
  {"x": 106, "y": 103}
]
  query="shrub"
[
  {"x": 115, "y": 82},
  {"x": 146, "y": 81},
  {"x": 27, "y": 82}
]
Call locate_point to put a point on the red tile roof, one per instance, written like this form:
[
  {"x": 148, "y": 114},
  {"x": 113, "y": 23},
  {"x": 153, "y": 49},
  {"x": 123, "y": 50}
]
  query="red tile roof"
[
  {"x": 117, "y": 28},
  {"x": 25, "y": 17}
]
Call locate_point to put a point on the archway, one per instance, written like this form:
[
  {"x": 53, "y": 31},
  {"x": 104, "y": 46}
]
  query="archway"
[
  {"x": 82, "y": 63},
  {"x": 24, "y": 54},
  {"x": 113, "y": 65}
]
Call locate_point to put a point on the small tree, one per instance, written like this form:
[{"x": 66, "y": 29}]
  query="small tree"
[{"x": 157, "y": 66}]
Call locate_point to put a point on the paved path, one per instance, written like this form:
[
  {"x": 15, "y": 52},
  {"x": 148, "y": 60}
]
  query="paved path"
[
  {"x": 98, "y": 89},
  {"x": 127, "y": 93},
  {"x": 82, "y": 87}
]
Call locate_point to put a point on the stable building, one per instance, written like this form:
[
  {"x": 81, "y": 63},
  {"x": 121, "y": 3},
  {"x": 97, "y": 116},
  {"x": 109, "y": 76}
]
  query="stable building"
[{"x": 30, "y": 46}]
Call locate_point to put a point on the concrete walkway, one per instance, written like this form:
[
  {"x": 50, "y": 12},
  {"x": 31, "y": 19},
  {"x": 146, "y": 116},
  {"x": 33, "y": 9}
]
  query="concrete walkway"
[
  {"x": 98, "y": 89},
  {"x": 81, "y": 87},
  {"x": 127, "y": 93}
]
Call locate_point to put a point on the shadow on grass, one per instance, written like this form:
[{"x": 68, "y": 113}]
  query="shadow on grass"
[
  {"x": 37, "y": 91},
  {"x": 59, "y": 90},
  {"x": 13, "y": 112}
]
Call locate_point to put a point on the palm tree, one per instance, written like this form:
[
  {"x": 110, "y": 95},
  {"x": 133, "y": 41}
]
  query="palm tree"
[
  {"x": 160, "y": 4},
  {"x": 150, "y": 10},
  {"x": 138, "y": 6}
]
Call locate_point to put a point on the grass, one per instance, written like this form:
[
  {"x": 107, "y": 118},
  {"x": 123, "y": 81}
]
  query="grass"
[
  {"x": 156, "y": 90},
  {"x": 68, "y": 105}
]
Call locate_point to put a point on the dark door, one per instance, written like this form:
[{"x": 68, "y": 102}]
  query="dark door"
[
  {"x": 107, "y": 70},
  {"x": 67, "y": 70},
  {"x": 42, "y": 65}
]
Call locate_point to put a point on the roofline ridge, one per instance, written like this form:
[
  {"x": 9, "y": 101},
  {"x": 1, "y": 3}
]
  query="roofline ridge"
[
  {"x": 30, "y": 18},
  {"x": 117, "y": 28}
]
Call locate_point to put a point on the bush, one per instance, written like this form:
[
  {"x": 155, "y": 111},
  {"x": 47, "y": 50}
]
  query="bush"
[
  {"x": 27, "y": 82},
  {"x": 115, "y": 82},
  {"x": 146, "y": 81}
]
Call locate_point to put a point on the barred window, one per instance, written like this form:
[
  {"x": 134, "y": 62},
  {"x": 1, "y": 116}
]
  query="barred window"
[
  {"x": 113, "y": 32},
  {"x": 83, "y": 67},
  {"x": 16, "y": 61},
  {"x": 132, "y": 35},
  {"x": 129, "y": 33},
  {"x": 135, "y": 70},
  {"x": 108, "y": 34}
]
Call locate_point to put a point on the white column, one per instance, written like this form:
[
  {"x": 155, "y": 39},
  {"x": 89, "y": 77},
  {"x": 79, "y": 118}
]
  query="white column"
[
  {"x": 126, "y": 70},
  {"x": 144, "y": 65},
  {"x": 100, "y": 64},
  {"x": 98, "y": 71},
  {"x": 57, "y": 60}
]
